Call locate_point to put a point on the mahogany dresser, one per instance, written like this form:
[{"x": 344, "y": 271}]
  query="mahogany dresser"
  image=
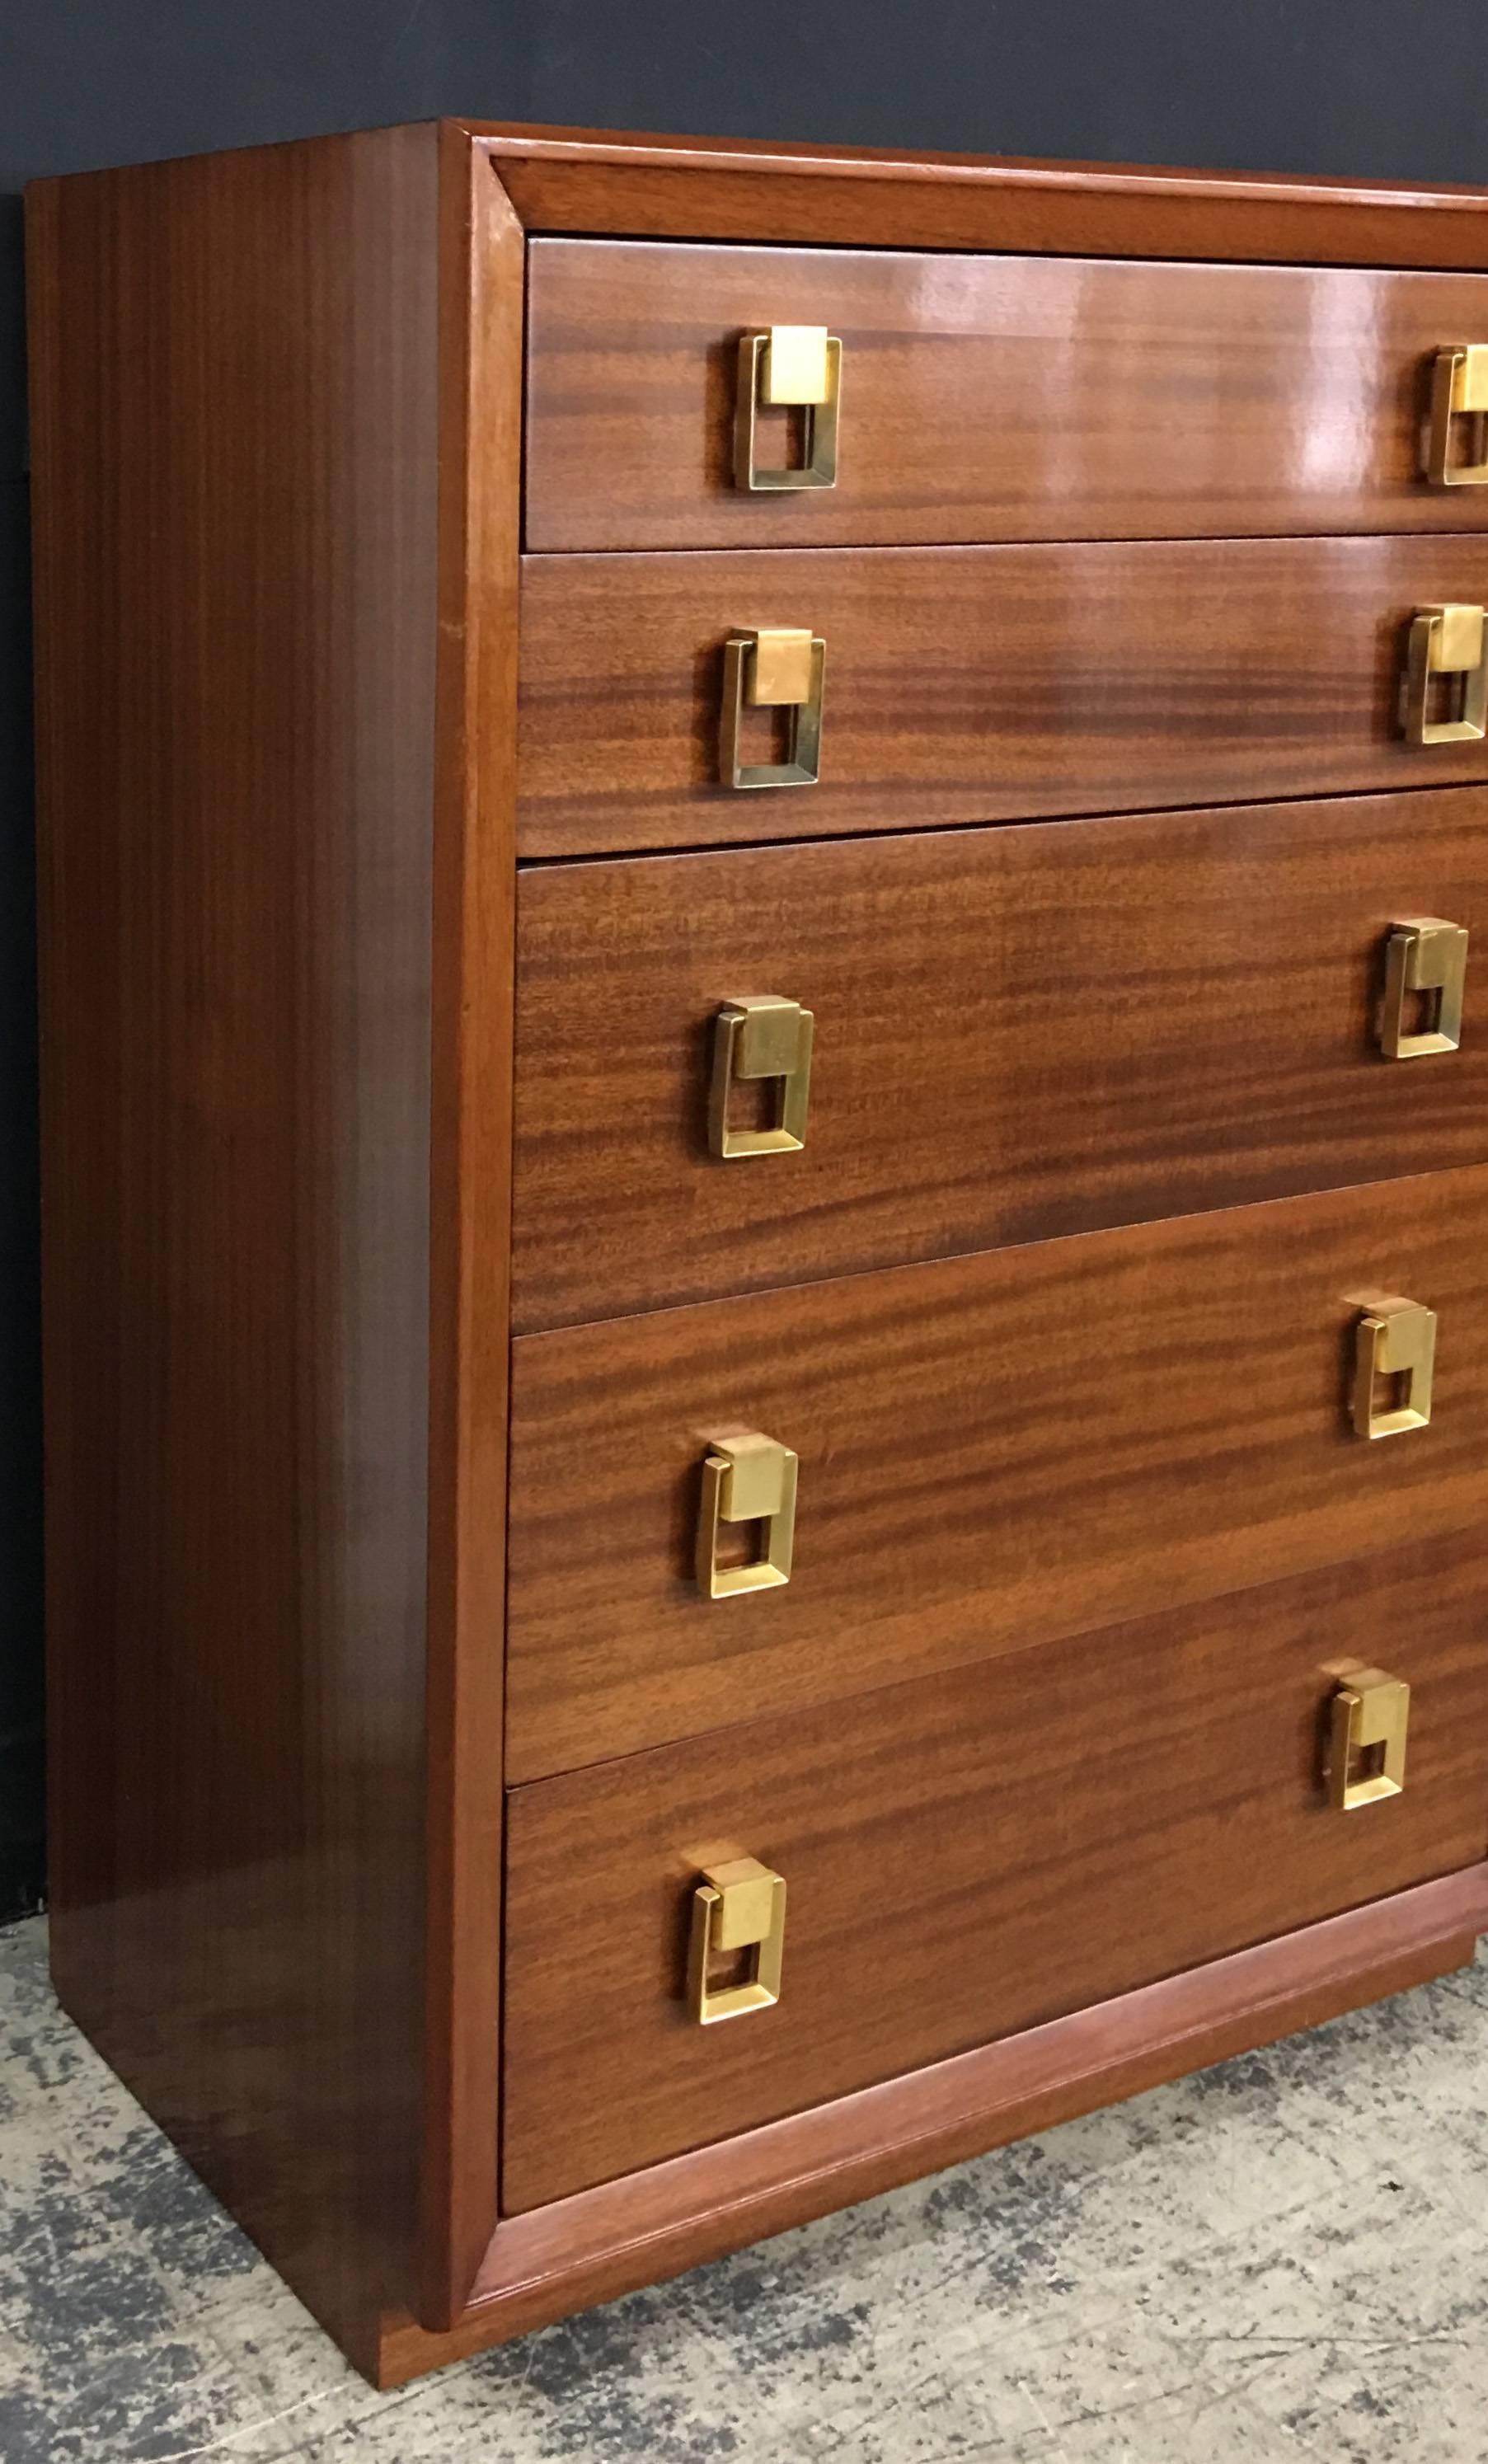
[{"x": 765, "y": 885}]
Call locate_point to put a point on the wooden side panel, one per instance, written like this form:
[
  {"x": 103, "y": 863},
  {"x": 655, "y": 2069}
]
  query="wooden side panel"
[
  {"x": 988, "y": 397},
  {"x": 973, "y": 1857},
  {"x": 993, "y": 1450},
  {"x": 1019, "y": 1033},
  {"x": 978, "y": 684},
  {"x": 235, "y": 425}
]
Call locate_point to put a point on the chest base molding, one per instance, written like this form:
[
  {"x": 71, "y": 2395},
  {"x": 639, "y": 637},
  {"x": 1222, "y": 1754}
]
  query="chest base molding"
[{"x": 650, "y": 2226}]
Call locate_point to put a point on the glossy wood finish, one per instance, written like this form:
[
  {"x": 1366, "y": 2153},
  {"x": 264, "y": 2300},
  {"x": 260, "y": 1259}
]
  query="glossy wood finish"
[
  {"x": 277, "y": 400},
  {"x": 988, "y": 398},
  {"x": 683, "y": 188},
  {"x": 236, "y": 704},
  {"x": 978, "y": 684},
  {"x": 958, "y": 1879},
  {"x": 653, "y": 2224},
  {"x": 1019, "y": 1033},
  {"x": 993, "y": 1450},
  {"x": 277, "y": 935}
]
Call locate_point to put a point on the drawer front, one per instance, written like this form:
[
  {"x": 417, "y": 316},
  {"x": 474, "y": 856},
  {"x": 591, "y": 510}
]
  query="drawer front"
[
  {"x": 1019, "y": 1033},
  {"x": 975, "y": 684},
  {"x": 973, "y": 1856},
  {"x": 993, "y": 1451},
  {"x": 987, "y": 398}
]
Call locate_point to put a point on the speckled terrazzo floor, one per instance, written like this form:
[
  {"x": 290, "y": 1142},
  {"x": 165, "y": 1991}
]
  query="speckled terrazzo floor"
[{"x": 1286, "y": 2258}]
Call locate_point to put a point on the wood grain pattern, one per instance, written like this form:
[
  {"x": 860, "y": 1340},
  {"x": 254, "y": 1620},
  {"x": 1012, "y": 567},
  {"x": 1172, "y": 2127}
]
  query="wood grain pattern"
[
  {"x": 950, "y": 1861},
  {"x": 978, "y": 684},
  {"x": 236, "y": 710},
  {"x": 988, "y": 398},
  {"x": 651, "y": 2225},
  {"x": 482, "y": 286},
  {"x": 993, "y": 1450},
  {"x": 1020, "y": 1033},
  {"x": 738, "y": 188}
]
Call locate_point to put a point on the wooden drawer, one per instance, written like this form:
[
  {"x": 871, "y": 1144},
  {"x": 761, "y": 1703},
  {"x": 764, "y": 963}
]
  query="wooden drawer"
[
  {"x": 973, "y": 1856},
  {"x": 987, "y": 397},
  {"x": 976, "y": 684},
  {"x": 992, "y": 1450},
  {"x": 1019, "y": 1033}
]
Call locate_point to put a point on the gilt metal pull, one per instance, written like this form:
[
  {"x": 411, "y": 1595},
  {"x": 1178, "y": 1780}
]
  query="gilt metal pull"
[
  {"x": 736, "y": 1906},
  {"x": 1395, "y": 1346},
  {"x": 1447, "y": 641},
  {"x": 1460, "y": 402},
  {"x": 777, "y": 667},
  {"x": 791, "y": 367},
  {"x": 1365, "y": 1754},
  {"x": 1424, "y": 956},
  {"x": 764, "y": 1038},
  {"x": 748, "y": 1479}
]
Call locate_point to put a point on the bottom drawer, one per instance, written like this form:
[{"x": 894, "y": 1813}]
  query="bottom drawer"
[{"x": 969, "y": 1857}]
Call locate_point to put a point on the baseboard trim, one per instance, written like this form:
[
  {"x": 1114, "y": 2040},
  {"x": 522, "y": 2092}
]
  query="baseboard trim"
[{"x": 652, "y": 2224}]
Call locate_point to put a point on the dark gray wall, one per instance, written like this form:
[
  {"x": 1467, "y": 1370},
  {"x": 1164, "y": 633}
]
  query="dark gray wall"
[{"x": 1358, "y": 88}]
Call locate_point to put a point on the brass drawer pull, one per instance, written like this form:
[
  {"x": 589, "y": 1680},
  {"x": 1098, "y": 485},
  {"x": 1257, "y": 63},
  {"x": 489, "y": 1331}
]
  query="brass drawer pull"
[
  {"x": 737, "y": 1906},
  {"x": 747, "y": 1479},
  {"x": 762, "y": 1038},
  {"x": 1447, "y": 641},
  {"x": 1396, "y": 1342},
  {"x": 1428, "y": 956},
  {"x": 779, "y": 668},
  {"x": 1459, "y": 391},
  {"x": 1366, "y": 1739},
  {"x": 790, "y": 368}
]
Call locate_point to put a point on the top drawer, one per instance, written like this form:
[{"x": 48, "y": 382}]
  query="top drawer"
[{"x": 988, "y": 398}]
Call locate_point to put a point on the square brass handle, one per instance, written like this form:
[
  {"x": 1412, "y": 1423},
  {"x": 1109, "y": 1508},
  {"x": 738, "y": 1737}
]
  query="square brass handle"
[
  {"x": 747, "y": 1479},
  {"x": 736, "y": 1906},
  {"x": 767, "y": 1039},
  {"x": 1425, "y": 957},
  {"x": 795, "y": 367},
  {"x": 1365, "y": 1754},
  {"x": 1447, "y": 641},
  {"x": 1395, "y": 1345},
  {"x": 1460, "y": 406},
  {"x": 779, "y": 666}
]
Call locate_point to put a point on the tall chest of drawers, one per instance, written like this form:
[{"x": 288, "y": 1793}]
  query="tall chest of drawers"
[{"x": 763, "y": 886}]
